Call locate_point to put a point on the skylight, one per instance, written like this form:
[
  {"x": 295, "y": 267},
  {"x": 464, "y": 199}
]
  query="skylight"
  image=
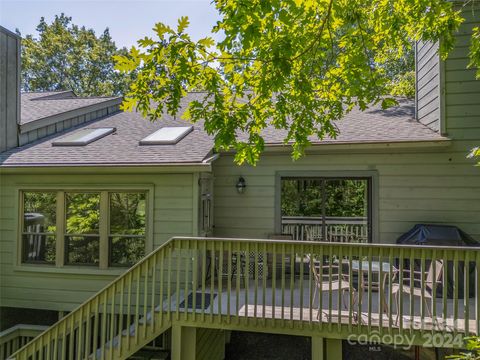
[
  {"x": 167, "y": 135},
  {"x": 83, "y": 137}
]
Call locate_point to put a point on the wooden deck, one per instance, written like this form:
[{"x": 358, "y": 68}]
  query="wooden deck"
[{"x": 296, "y": 306}]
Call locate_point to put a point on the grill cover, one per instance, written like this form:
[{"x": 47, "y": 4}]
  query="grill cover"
[{"x": 443, "y": 235}]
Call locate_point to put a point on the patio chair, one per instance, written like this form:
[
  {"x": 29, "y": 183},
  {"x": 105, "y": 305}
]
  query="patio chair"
[
  {"x": 413, "y": 286},
  {"x": 330, "y": 280}
]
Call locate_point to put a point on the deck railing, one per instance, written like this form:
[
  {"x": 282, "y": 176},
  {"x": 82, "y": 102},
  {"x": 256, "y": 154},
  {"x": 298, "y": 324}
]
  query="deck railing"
[
  {"x": 331, "y": 229},
  {"x": 393, "y": 293},
  {"x": 16, "y": 337}
]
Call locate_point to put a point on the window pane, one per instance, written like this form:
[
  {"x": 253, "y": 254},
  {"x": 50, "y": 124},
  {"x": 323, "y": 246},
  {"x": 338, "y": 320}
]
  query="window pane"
[
  {"x": 38, "y": 248},
  {"x": 127, "y": 213},
  {"x": 82, "y": 249},
  {"x": 39, "y": 212},
  {"x": 346, "y": 210},
  {"x": 83, "y": 213},
  {"x": 126, "y": 250},
  {"x": 346, "y": 198},
  {"x": 326, "y": 209}
]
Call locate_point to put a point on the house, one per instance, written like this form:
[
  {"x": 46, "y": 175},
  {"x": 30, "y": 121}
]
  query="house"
[{"x": 87, "y": 191}]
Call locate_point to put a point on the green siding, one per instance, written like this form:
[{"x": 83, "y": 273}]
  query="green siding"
[
  {"x": 60, "y": 289},
  {"x": 433, "y": 186}
]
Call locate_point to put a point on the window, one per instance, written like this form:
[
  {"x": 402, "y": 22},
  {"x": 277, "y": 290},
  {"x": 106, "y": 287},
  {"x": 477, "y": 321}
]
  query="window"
[
  {"x": 83, "y": 137},
  {"x": 82, "y": 225},
  {"x": 73, "y": 227},
  {"x": 167, "y": 135},
  {"x": 326, "y": 209},
  {"x": 39, "y": 227},
  {"x": 127, "y": 228}
]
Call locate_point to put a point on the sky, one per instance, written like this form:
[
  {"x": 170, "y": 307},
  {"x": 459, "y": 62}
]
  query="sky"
[{"x": 128, "y": 20}]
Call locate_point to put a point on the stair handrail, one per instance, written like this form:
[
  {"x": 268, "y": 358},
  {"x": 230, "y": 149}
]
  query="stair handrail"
[{"x": 92, "y": 298}]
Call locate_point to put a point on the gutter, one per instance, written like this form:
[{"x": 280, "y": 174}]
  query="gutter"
[
  {"x": 105, "y": 168},
  {"x": 370, "y": 145},
  {"x": 211, "y": 159}
]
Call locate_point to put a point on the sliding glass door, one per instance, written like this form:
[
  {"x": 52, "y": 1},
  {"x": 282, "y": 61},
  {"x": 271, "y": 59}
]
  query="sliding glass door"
[{"x": 326, "y": 208}]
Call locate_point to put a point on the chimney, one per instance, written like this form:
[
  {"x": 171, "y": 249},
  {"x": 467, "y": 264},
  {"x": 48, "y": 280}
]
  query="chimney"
[
  {"x": 428, "y": 85},
  {"x": 9, "y": 89}
]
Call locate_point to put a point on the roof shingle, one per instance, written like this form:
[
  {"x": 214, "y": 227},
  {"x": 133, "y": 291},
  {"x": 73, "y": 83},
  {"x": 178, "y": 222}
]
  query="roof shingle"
[{"x": 122, "y": 148}]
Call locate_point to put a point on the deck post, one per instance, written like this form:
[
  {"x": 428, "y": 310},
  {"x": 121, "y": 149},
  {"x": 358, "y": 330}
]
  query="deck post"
[
  {"x": 333, "y": 349},
  {"x": 317, "y": 348},
  {"x": 184, "y": 339}
]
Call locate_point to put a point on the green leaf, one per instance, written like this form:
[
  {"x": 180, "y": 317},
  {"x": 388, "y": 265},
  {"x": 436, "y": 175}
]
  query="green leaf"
[{"x": 182, "y": 24}]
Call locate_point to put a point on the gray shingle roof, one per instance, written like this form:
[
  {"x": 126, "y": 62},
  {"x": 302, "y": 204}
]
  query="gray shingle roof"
[
  {"x": 39, "y": 105},
  {"x": 122, "y": 148},
  {"x": 375, "y": 125}
]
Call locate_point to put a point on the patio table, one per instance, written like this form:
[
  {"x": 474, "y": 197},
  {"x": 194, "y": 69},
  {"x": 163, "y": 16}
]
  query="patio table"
[{"x": 382, "y": 271}]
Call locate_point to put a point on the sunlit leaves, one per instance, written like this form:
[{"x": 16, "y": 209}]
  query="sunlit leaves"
[
  {"x": 475, "y": 51},
  {"x": 296, "y": 65}
]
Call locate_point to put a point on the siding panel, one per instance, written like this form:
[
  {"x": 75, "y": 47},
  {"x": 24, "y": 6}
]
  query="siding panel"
[{"x": 60, "y": 290}]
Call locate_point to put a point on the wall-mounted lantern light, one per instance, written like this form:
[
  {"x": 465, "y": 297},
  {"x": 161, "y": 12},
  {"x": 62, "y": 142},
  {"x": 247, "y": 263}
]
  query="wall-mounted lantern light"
[{"x": 241, "y": 185}]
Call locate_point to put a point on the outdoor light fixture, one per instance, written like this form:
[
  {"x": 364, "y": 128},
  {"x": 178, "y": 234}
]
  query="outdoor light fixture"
[{"x": 241, "y": 185}]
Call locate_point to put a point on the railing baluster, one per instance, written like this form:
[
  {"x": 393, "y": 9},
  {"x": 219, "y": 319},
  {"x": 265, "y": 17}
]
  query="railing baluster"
[
  {"x": 255, "y": 290},
  {"x": 95, "y": 330},
  {"x": 390, "y": 292},
  {"x": 264, "y": 280},
  {"x": 213, "y": 258},
  {"x": 237, "y": 282},
  {"x": 129, "y": 307},
  {"x": 169, "y": 282},
  {"x": 283, "y": 284},
  {"x": 178, "y": 262},
  {"x": 112, "y": 320},
  {"x": 220, "y": 277},
  {"x": 466, "y": 290},
  {"x": 79, "y": 331},
  {"x": 55, "y": 344},
  {"x": 137, "y": 306},
  {"x": 351, "y": 293},
  {"x": 399, "y": 294},
  {"x": 229, "y": 280},
  {"x": 330, "y": 300},
  {"x": 247, "y": 279},
  {"x": 49, "y": 345},
  {"x": 162, "y": 285},
  {"x": 274, "y": 277},
  {"x": 152, "y": 305},
  {"x": 369, "y": 290},
  {"x": 292, "y": 282},
  {"x": 360, "y": 288},
  {"x": 195, "y": 265},
  {"x": 188, "y": 258},
  {"x": 410, "y": 295},
  {"x": 204, "y": 275},
  {"x": 120, "y": 319},
  {"x": 319, "y": 291},
  {"x": 381, "y": 291},
  {"x": 310, "y": 286},
  {"x": 145, "y": 269},
  {"x": 455, "y": 294},
  {"x": 477, "y": 292},
  {"x": 302, "y": 275},
  {"x": 422, "y": 291}
]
